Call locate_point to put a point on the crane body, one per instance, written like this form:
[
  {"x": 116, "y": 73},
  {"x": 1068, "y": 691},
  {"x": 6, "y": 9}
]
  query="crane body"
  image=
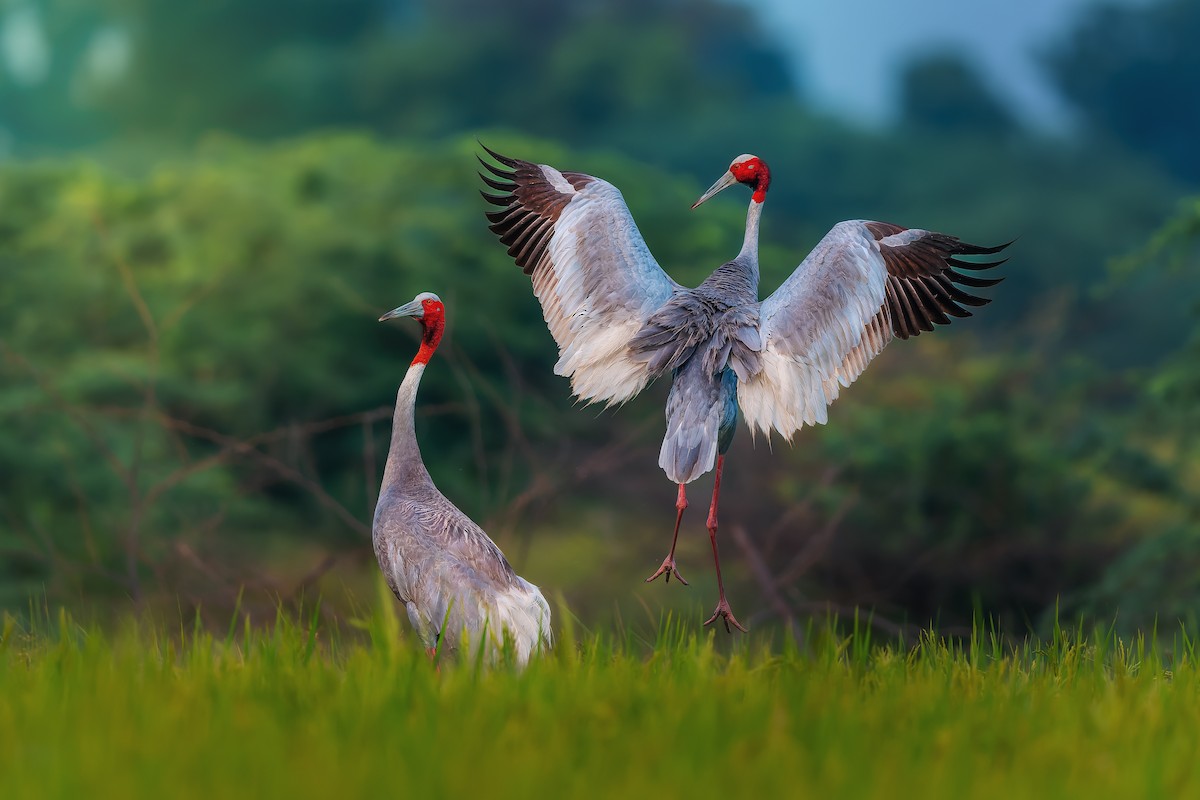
[
  {"x": 620, "y": 321},
  {"x": 455, "y": 583}
]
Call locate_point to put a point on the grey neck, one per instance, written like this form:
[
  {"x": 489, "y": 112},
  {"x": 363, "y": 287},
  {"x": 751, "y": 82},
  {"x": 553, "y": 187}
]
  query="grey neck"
[
  {"x": 404, "y": 455},
  {"x": 749, "y": 251}
]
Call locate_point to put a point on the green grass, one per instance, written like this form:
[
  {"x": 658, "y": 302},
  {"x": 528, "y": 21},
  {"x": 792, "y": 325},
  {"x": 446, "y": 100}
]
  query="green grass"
[{"x": 297, "y": 710}]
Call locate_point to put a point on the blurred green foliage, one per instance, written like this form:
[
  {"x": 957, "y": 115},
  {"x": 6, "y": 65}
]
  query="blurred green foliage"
[
  {"x": 193, "y": 385},
  {"x": 582, "y": 71},
  {"x": 157, "y": 319},
  {"x": 946, "y": 93},
  {"x": 1131, "y": 72}
]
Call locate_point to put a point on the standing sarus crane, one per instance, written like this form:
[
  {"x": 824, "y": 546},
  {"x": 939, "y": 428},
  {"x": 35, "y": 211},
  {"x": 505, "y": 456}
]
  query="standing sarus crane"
[
  {"x": 620, "y": 321},
  {"x": 452, "y": 578}
]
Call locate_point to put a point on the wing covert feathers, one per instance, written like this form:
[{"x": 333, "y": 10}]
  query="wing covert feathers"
[
  {"x": 863, "y": 284},
  {"x": 589, "y": 265}
]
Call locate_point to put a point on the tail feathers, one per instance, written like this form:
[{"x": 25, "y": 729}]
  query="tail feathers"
[{"x": 694, "y": 410}]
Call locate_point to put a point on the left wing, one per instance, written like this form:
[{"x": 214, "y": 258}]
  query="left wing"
[
  {"x": 590, "y": 268},
  {"x": 864, "y": 283}
]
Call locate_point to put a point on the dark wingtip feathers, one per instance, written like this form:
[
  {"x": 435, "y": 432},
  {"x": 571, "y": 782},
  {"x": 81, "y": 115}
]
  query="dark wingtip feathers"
[
  {"x": 500, "y": 186},
  {"x": 505, "y": 160},
  {"x": 967, "y": 249},
  {"x": 975, "y": 265},
  {"x": 924, "y": 280},
  {"x": 529, "y": 205}
]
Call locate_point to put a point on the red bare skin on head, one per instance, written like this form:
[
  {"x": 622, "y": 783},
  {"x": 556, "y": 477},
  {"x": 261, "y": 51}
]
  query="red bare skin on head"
[
  {"x": 433, "y": 323},
  {"x": 753, "y": 172}
]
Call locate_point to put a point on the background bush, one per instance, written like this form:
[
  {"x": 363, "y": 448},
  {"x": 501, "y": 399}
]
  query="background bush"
[{"x": 196, "y": 396}]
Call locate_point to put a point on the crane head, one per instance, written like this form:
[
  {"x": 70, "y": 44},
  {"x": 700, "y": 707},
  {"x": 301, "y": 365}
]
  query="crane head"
[
  {"x": 418, "y": 308},
  {"x": 747, "y": 169},
  {"x": 426, "y": 308}
]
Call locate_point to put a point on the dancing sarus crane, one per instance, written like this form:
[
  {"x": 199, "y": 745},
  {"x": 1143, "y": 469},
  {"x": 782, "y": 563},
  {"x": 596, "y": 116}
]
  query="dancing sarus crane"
[
  {"x": 453, "y": 579},
  {"x": 620, "y": 321}
]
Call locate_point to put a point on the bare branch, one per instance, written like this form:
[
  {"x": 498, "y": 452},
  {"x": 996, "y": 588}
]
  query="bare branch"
[
  {"x": 762, "y": 575},
  {"x": 277, "y": 466},
  {"x": 370, "y": 473},
  {"x": 815, "y": 547},
  {"x": 70, "y": 409}
]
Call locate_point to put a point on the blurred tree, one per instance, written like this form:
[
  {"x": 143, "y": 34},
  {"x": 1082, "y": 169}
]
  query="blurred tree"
[
  {"x": 1174, "y": 251},
  {"x": 241, "y": 285},
  {"x": 577, "y": 71},
  {"x": 1162, "y": 571},
  {"x": 967, "y": 483},
  {"x": 47, "y": 51},
  {"x": 152, "y": 69},
  {"x": 1132, "y": 72},
  {"x": 218, "y": 307},
  {"x": 264, "y": 68},
  {"x": 946, "y": 94},
  {"x": 262, "y": 267}
]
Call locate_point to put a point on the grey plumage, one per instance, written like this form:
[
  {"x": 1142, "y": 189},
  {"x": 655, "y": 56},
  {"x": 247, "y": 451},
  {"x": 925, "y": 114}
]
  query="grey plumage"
[
  {"x": 620, "y": 321},
  {"x": 454, "y": 581},
  {"x": 698, "y": 335}
]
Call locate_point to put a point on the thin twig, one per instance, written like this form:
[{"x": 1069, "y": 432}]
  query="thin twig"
[
  {"x": 149, "y": 406},
  {"x": 815, "y": 547},
  {"x": 370, "y": 475},
  {"x": 762, "y": 574},
  {"x": 283, "y": 470}
]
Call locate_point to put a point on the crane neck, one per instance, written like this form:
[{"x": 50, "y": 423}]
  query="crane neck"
[
  {"x": 404, "y": 462},
  {"x": 404, "y": 454},
  {"x": 749, "y": 251}
]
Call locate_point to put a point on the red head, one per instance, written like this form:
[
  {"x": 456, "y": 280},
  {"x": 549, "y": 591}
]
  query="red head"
[
  {"x": 426, "y": 308},
  {"x": 747, "y": 169}
]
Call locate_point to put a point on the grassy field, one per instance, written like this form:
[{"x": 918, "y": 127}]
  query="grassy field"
[{"x": 296, "y": 710}]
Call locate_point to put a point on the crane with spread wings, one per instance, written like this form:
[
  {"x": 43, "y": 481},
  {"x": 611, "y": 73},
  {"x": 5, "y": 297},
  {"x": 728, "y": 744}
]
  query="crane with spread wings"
[{"x": 620, "y": 321}]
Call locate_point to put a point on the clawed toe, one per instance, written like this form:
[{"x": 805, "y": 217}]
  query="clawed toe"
[
  {"x": 668, "y": 568},
  {"x": 723, "y": 611}
]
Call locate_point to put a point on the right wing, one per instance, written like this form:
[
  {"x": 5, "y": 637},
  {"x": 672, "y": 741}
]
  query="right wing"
[
  {"x": 864, "y": 283},
  {"x": 591, "y": 270}
]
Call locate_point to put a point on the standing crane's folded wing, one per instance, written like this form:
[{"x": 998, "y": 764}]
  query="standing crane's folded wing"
[
  {"x": 864, "y": 283},
  {"x": 591, "y": 270}
]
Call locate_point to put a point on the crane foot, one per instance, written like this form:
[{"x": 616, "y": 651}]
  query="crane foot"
[
  {"x": 726, "y": 614},
  {"x": 668, "y": 568}
]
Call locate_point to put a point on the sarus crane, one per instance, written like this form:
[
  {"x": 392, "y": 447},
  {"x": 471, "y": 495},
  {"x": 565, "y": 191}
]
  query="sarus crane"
[
  {"x": 620, "y": 321},
  {"x": 453, "y": 580}
]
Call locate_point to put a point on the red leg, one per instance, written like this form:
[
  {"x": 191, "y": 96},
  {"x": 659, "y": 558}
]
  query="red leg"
[
  {"x": 432, "y": 652},
  {"x": 723, "y": 611},
  {"x": 668, "y": 564}
]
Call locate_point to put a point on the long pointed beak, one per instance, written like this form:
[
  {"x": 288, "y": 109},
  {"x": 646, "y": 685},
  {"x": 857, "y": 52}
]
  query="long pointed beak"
[
  {"x": 413, "y": 309},
  {"x": 723, "y": 183}
]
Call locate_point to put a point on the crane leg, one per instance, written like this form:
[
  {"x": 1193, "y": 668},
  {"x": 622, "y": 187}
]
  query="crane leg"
[
  {"x": 723, "y": 611},
  {"x": 432, "y": 652},
  {"x": 668, "y": 564}
]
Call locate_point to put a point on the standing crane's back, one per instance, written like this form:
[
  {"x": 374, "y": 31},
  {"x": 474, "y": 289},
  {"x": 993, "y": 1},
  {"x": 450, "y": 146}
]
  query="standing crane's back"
[{"x": 453, "y": 580}]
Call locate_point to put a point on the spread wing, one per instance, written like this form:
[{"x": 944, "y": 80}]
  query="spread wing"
[
  {"x": 863, "y": 284},
  {"x": 591, "y": 270}
]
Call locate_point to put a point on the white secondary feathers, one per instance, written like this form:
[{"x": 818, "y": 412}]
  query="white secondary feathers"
[
  {"x": 863, "y": 284},
  {"x": 597, "y": 284},
  {"x": 820, "y": 329}
]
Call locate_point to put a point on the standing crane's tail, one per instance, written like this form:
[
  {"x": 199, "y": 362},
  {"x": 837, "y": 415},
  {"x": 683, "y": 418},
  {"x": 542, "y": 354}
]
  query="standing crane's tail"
[{"x": 701, "y": 418}]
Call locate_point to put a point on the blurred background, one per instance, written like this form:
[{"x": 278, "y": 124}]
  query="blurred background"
[{"x": 205, "y": 206}]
